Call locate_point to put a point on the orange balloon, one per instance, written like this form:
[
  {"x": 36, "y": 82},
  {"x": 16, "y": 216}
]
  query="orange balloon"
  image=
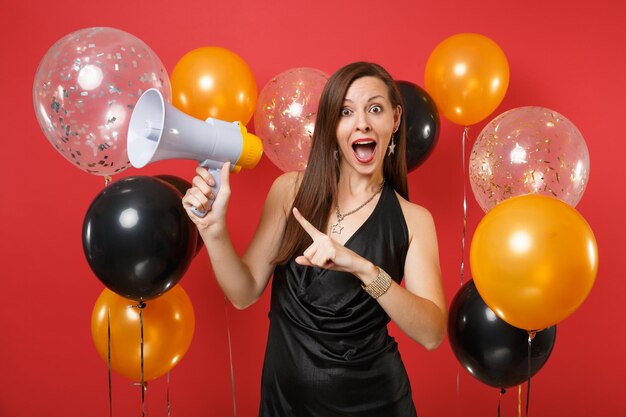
[
  {"x": 168, "y": 326},
  {"x": 214, "y": 82},
  {"x": 534, "y": 260},
  {"x": 467, "y": 76}
]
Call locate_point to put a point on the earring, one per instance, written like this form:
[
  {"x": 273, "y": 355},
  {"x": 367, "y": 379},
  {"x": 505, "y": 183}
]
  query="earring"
[
  {"x": 335, "y": 152},
  {"x": 392, "y": 146}
]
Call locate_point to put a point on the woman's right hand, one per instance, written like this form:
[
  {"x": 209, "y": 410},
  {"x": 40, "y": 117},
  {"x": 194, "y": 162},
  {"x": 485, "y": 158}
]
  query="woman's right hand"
[{"x": 200, "y": 196}]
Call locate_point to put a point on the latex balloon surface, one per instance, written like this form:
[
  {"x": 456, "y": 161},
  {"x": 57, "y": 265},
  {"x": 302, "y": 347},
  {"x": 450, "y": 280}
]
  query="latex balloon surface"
[
  {"x": 467, "y": 75},
  {"x": 491, "y": 350},
  {"x": 528, "y": 150},
  {"x": 84, "y": 91},
  {"x": 182, "y": 185},
  {"x": 137, "y": 238},
  {"x": 286, "y": 114},
  {"x": 422, "y": 123},
  {"x": 168, "y": 327},
  {"x": 534, "y": 260},
  {"x": 214, "y": 82}
]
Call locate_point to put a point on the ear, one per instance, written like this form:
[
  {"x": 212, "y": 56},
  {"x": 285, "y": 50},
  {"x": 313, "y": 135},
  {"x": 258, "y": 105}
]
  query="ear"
[{"x": 397, "y": 117}]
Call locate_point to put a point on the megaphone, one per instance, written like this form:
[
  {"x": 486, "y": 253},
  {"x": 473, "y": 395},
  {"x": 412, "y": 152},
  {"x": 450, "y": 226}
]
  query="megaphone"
[{"x": 158, "y": 131}]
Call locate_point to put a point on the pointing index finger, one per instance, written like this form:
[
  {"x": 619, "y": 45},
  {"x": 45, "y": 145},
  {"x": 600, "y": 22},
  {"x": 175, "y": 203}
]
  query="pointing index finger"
[{"x": 308, "y": 227}]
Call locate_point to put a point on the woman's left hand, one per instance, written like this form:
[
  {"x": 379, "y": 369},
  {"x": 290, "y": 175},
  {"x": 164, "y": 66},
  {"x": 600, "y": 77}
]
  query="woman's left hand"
[{"x": 325, "y": 252}]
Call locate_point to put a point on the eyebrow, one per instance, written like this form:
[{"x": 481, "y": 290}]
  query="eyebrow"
[{"x": 370, "y": 99}]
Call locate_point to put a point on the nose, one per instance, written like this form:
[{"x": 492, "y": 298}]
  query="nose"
[{"x": 362, "y": 123}]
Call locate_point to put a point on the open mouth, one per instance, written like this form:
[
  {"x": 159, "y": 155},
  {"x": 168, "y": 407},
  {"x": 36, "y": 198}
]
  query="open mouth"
[{"x": 364, "y": 150}]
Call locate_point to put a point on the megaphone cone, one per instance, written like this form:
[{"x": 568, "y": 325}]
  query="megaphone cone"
[{"x": 158, "y": 131}]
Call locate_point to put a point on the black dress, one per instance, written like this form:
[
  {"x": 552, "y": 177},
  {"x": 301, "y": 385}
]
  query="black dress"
[{"x": 328, "y": 350}]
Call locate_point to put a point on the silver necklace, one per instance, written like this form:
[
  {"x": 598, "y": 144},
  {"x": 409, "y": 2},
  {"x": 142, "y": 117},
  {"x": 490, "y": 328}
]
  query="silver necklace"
[{"x": 336, "y": 228}]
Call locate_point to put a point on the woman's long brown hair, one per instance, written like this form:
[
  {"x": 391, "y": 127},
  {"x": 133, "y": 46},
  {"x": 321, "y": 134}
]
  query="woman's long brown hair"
[{"x": 318, "y": 190}]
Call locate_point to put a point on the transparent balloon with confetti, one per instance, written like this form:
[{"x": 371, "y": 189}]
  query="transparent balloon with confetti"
[
  {"x": 84, "y": 92},
  {"x": 529, "y": 150},
  {"x": 285, "y": 116}
]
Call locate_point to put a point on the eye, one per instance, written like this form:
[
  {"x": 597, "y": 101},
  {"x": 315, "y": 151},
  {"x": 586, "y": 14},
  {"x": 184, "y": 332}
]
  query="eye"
[
  {"x": 376, "y": 108},
  {"x": 346, "y": 111}
]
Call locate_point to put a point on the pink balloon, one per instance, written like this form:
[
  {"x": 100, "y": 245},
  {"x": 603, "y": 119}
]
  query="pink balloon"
[
  {"x": 285, "y": 116},
  {"x": 84, "y": 92},
  {"x": 529, "y": 150}
]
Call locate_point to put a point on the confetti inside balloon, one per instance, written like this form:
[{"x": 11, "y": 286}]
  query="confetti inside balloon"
[
  {"x": 529, "y": 150},
  {"x": 84, "y": 92},
  {"x": 286, "y": 114}
]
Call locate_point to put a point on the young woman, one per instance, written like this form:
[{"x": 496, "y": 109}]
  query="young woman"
[{"x": 337, "y": 239}]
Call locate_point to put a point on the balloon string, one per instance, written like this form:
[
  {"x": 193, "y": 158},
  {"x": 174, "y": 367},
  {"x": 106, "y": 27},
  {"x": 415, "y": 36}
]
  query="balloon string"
[
  {"x": 462, "y": 272},
  {"x": 168, "y": 394},
  {"x": 531, "y": 336},
  {"x": 230, "y": 356},
  {"x": 465, "y": 136},
  {"x": 109, "y": 362},
  {"x": 502, "y": 392},
  {"x": 141, "y": 306}
]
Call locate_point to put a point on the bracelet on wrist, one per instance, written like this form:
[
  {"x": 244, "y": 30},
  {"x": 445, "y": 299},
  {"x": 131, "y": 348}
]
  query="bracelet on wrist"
[{"x": 379, "y": 286}]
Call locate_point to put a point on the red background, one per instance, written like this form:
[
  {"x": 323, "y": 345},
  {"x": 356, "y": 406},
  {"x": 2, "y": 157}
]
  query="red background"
[{"x": 563, "y": 55}]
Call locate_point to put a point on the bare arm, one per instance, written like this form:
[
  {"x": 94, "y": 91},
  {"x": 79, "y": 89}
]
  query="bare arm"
[
  {"x": 420, "y": 308},
  {"x": 243, "y": 279}
]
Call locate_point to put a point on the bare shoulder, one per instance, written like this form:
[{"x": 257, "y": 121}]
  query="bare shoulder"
[
  {"x": 284, "y": 189},
  {"x": 418, "y": 219},
  {"x": 288, "y": 180}
]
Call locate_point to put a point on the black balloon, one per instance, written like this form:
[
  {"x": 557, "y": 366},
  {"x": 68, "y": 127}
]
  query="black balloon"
[
  {"x": 490, "y": 349},
  {"x": 182, "y": 186},
  {"x": 137, "y": 238},
  {"x": 422, "y": 123}
]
